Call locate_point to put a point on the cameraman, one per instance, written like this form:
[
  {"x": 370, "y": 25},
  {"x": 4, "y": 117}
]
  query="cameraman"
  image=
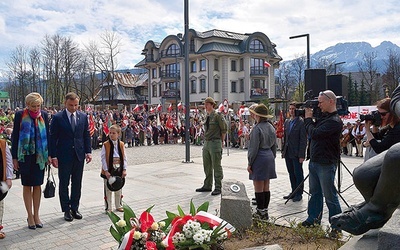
[
  {"x": 387, "y": 134},
  {"x": 324, "y": 157}
]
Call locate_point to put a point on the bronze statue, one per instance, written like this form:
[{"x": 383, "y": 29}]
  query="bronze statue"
[{"x": 377, "y": 179}]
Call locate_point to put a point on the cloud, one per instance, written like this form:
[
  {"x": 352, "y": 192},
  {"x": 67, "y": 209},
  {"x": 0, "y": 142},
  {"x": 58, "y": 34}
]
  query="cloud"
[{"x": 26, "y": 22}]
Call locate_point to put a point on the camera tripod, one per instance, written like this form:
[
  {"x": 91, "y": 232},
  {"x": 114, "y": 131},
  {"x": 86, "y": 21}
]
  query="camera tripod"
[{"x": 339, "y": 183}]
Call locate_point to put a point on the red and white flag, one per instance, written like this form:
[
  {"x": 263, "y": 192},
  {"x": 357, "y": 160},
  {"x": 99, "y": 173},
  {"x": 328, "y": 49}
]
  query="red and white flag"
[
  {"x": 159, "y": 108},
  {"x": 91, "y": 125},
  {"x": 137, "y": 108},
  {"x": 266, "y": 64},
  {"x": 221, "y": 108},
  {"x": 152, "y": 110},
  {"x": 170, "y": 108},
  {"x": 179, "y": 106}
]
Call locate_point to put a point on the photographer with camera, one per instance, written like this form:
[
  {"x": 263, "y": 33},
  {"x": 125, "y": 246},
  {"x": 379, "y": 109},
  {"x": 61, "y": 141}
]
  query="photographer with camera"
[
  {"x": 324, "y": 157},
  {"x": 385, "y": 128},
  {"x": 377, "y": 179}
]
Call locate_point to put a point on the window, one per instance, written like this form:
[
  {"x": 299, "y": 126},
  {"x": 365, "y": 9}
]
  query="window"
[
  {"x": 154, "y": 73},
  {"x": 216, "y": 85},
  {"x": 216, "y": 64},
  {"x": 241, "y": 85},
  {"x": 203, "y": 65},
  {"x": 159, "y": 89},
  {"x": 257, "y": 67},
  {"x": 202, "y": 85},
  {"x": 154, "y": 90},
  {"x": 172, "y": 70},
  {"x": 173, "y": 50},
  {"x": 171, "y": 86},
  {"x": 256, "y": 46},
  {"x": 233, "y": 87},
  {"x": 258, "y": 83},
  {"x": 193, "y": 66},
  {"x": 193, "y": 86},
  {"x": 241, "y": 64},
  {"x": 233, "y": 65}
]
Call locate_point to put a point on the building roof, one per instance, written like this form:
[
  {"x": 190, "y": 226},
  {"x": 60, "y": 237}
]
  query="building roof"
[
  {"x": 130, "y": 80},
  {"x": 220, "y": 47},
  {"x": 222, "y": 34}
]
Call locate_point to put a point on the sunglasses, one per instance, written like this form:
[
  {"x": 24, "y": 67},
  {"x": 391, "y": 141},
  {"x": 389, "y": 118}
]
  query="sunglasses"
[
  {"x": 323, "y": 94},
  {"x": 383, "y": 113}
]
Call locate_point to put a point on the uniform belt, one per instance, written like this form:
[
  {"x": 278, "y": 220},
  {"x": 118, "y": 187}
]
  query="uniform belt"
[{"x": 214, "y": 139}]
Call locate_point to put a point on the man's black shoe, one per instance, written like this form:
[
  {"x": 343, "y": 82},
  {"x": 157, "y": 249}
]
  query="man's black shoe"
[
  {"x": 287, "y": 196},
  {"x": 297, "y": 198},
  {"x": 306, "y": 224},
  {"x": 68, "y": 216},
  {"x": 203, "y": 189},
  {"x": 216, "y": 192},
  {"x": 76, "y": 215}
]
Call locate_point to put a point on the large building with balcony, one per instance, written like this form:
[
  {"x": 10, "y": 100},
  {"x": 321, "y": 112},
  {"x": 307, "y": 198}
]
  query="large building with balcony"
[{"x": 222, "y": 64}]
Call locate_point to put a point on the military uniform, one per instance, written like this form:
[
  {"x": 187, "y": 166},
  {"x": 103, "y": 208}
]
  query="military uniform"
[{"x": 215, "y": 128}]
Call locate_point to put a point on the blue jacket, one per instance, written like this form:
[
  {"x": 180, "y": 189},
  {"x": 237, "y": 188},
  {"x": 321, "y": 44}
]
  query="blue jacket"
[{"x": 64, "y": 142}]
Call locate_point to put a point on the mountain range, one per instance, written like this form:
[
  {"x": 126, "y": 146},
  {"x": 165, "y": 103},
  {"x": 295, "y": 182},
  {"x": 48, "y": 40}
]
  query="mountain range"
[{"x": 353, "y": 52}]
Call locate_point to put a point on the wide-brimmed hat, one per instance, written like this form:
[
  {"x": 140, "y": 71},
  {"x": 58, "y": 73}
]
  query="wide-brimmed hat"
[
  {"x": 117, "y": 183},
  {"x": 210, "y": 100},
  {"x": 3, "y": 190},
  {"x": 261, "y": 110}
]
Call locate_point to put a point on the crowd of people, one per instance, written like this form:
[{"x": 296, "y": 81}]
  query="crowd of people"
[{"x": 40, "y": 137}]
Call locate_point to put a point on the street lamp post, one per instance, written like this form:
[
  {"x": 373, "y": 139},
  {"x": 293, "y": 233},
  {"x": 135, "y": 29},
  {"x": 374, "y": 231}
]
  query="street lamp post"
[
  {"x": 187, "y": 101},
  {"x": 308, "y": 46},
  {"x": 338, "y": 64}
]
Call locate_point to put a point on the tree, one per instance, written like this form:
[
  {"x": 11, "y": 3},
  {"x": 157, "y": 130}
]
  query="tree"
[
  {"x": 18, "y": 68},
  {"x": 326, "y": 63},
  {"x": 391, "y": 78},
  {"x": 369, "y": 71},
  {"x": 299, "y": 65}
]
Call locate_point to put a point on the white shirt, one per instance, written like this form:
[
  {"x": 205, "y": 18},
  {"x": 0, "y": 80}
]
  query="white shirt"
[{"x": 115, "y": 154}]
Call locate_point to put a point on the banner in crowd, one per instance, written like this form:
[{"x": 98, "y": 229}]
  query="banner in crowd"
[{"x": 355, "y": 112}]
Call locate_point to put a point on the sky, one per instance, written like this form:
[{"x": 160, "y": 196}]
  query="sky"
[{"x": 328, "y": 22}]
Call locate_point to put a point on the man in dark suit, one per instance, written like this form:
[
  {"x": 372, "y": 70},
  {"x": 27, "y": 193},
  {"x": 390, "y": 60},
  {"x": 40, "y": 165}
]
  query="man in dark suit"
[
  {"x": 69, "y": 147},
  {"x": 294, "y": 150}
]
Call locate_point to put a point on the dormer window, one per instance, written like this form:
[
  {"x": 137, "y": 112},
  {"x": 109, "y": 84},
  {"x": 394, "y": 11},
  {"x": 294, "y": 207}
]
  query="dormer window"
[{"x": 256, "y": 46}]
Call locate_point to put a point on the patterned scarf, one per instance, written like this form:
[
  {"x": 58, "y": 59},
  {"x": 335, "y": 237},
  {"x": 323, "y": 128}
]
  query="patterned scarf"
[{"x": 33, "y": 138}]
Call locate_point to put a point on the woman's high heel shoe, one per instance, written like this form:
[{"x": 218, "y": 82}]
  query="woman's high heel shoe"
[
  {"x": 33, "y": 227},
  {"x": 39, "y": 225}
]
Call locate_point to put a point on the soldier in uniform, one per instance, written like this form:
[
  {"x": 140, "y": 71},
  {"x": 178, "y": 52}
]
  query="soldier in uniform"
[{"x": 215, "y": 130}]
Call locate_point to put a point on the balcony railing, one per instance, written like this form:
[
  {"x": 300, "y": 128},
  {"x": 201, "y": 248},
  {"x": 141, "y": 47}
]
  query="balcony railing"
[
  {"x": 170, "y": 53},
  {"x": 170, "y": 74},
  {"x": 171, "y": 93},
  {"x": 258, "y": 70},
  {"x": 258, "y": 92}
]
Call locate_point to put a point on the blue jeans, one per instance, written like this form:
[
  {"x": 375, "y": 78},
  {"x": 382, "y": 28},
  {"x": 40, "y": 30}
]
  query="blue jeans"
[
  {"x": 296, "y": 176},
  {"x": 322, "y": 178}
]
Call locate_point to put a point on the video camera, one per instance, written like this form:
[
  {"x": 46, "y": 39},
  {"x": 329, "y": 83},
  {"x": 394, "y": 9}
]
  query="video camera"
[
  {"x": 341, "y": 107},
  {"x": 374, "y": 117}
]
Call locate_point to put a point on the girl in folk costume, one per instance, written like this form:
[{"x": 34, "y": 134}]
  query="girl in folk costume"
[
  {"x": 6, "y": 174},
  {"x": 114, "y": 163}
]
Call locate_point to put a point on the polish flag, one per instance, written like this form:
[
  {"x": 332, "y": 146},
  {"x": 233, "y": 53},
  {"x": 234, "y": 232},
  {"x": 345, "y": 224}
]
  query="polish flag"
[
  {"x": 179, "y": 106},
  {"x": 152, "y": 110},
  {"x": 266, "y": 64},
  {"x": 221, "y": 108},
  {"x": 170, "y": 108},
  {"x": 159, "y": 108},
  {"x": 137, "y": 108}
]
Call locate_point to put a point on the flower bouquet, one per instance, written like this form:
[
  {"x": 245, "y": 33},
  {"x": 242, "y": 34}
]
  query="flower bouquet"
[
  {"x": 197, "y": 230},
  {"x": 137, "y": 233}
]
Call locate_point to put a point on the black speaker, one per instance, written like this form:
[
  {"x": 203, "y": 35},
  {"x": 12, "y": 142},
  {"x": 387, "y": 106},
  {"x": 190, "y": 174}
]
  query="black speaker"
[
  {"x": 315, "y": 81},
  {"x": 339, "y": 85}
]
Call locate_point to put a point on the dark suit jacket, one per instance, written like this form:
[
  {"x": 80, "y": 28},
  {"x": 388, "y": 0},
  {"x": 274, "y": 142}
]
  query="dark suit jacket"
[
  {"x": 64, "y": 142},
  {"x": 16, "y": 130},
  {"x": 295, "y": 141}
]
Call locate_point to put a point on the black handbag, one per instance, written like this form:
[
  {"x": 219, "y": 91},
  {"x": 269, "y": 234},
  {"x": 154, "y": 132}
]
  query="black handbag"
[{"x": 50, "y": 189}]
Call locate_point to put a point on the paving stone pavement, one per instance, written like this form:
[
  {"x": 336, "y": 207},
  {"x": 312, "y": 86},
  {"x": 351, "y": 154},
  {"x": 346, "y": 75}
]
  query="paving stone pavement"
[{"x": 156, "y": 176}]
